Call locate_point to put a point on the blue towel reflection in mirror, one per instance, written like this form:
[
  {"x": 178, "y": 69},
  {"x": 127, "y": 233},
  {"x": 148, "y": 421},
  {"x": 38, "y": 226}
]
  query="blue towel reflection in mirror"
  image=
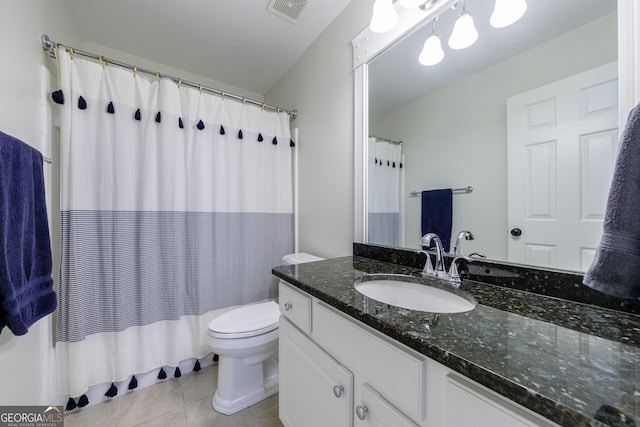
[{"x": 437, "y": 214}]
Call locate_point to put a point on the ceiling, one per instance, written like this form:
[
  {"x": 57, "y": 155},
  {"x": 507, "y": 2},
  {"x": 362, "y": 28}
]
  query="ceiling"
[
  {"x": 396, "y": 77},
  {"x": 236, "y": 42}
]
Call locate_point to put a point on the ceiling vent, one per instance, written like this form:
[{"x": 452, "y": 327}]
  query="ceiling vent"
[{"x": 289, "y": 10}]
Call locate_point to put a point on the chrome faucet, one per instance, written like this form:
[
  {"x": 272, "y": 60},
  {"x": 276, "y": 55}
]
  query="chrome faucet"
[
  {"x": 438, "y": 270},
  {"x": 454, "y": 275},
  {"x": 464, "y": 234}
]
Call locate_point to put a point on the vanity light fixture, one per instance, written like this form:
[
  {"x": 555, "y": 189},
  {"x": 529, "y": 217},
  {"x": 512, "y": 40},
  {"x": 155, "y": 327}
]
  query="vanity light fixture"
[
  {"x": 506, "y": 12},
  {"x": 464, "y": 32},
  {"x": 384, "y": 16},
  {"x": 432, "y": 52}
]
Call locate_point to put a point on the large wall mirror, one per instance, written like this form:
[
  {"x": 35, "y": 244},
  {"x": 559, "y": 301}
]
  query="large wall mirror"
[{"x": 499, "y": 117}]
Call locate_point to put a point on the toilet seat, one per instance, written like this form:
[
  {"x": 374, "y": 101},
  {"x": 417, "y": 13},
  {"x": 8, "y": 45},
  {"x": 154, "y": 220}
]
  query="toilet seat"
[{"x": 247, "y": 321}]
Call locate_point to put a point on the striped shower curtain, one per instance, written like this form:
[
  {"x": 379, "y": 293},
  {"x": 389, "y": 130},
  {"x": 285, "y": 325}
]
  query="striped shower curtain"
[{"x": 175, "y": 203}]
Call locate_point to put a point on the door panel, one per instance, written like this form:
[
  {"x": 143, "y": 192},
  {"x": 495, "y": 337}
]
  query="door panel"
[{"x": 562, "y": 143}]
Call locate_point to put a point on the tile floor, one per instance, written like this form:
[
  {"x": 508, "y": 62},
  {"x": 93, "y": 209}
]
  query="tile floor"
[{"x": 177, "y": 402}]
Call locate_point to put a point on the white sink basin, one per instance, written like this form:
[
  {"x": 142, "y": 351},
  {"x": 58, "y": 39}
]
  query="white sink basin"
[{"x": 409, "y": 292}]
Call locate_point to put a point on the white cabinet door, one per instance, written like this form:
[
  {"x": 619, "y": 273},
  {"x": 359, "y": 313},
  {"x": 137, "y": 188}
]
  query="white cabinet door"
[
  {"x": 372, "y": 410},
  {"x": 315, "y": 390}
]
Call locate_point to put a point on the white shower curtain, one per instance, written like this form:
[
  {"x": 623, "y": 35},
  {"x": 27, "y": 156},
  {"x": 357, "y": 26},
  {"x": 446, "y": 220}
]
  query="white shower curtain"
[
  {"x": 174, "y": 203},
  {"x": 385, "y": 184}
]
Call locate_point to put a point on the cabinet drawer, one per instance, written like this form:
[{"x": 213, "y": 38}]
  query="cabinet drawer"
[
  {"x": 468, "y": 403},
  {"x": 295, "y": 306},
  {"x": 397, "y": 374}
]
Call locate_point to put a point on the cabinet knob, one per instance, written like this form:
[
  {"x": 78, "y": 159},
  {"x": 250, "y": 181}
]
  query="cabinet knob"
[
  {"x": 338, "y": 390},
  {"x": 516, "y": 232},
  {"x": 361, "y": 411},
  {"x": 287, "y": 306}
]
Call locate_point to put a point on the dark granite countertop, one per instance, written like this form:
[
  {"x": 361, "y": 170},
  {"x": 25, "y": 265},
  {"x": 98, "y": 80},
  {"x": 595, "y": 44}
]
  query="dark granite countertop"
[{"x": 573, "y": 363}]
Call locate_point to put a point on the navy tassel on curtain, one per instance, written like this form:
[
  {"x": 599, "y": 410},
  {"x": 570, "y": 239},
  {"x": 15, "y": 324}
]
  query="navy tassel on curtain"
[
  {"x": 180, "y": 124},
  {"x": 162, "y": 374},
  {"x": 200, "y": 125},
  {"x": 240, "y": 136},
  {"x": 177, "y": 374},
  {"x": 71, "y": 405},
  {"x": 112, "y": 392},
  {"x": 222, "y": 132},
  {"x": 274, "y": 141},
  {"x": 291, "y": 143},
  {"x": 82, "y": 104},
  {"x": 110, "y": 108},
  {"x": 83, "y": 401},
  {"x": 158, "y": 117},
  {"x": 138, "y": 115},
  {"x": 58, "y": 98},
  {"x": 133, "y": 383},
  {"x": 260, "y": 138},
  {"x": 196, "y": 367}
]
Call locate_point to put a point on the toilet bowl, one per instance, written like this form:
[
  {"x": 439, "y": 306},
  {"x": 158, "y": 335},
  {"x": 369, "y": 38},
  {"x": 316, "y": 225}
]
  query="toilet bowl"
[{"x": 246, "y": 342}]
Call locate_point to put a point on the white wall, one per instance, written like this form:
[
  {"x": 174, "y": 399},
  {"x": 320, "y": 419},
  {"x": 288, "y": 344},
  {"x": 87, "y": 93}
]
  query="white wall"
[
  {"x": 320, "y": 86},
  {"x": 24, "y": 360},
  {"x": 457, "y": 136}
]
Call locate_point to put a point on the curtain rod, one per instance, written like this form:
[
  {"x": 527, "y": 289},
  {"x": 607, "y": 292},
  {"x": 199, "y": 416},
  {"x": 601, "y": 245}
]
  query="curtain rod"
[
  {"x": 50, "y": 46},
  {"x": 379, "y": 138}
]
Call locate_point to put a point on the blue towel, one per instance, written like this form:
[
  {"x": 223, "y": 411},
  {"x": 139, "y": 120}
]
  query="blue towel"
[
  {"x": 615, "y": 269},
  {"x": 26, "y": 286},
  {"x": 437, "y": 214}
]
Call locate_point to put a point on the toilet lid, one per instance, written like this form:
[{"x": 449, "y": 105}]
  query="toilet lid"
[{"x": 248, "y": 320}]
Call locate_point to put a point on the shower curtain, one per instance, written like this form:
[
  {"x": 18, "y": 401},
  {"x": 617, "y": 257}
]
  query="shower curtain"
[
  {"x": 386, "y": 180},
  {"x": 175, "y": 203}
]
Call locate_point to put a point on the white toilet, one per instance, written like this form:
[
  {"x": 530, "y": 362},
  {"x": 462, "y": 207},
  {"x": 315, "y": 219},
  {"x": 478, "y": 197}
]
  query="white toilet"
[{"x": 246, "y": 341}]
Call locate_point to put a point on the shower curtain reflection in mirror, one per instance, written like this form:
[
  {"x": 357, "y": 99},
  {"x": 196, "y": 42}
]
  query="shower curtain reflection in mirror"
[{"x": 385, "y": 188}]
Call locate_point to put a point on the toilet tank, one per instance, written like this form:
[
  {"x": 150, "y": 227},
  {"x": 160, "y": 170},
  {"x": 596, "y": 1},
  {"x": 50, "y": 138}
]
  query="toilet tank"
[{"x": 299, "y": 258}]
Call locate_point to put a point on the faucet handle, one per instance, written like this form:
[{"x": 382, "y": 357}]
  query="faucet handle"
[
  {"x": 428, "y": 267},
  {"x": 454, "y": 275},
  {"x": 478, "y": 254}
]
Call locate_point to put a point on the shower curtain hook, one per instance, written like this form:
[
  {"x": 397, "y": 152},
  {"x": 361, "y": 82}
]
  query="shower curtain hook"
[
  {"x": 70, "y": 53},
  {"x": 222, "y": 94},
  {"x": 101, "y": 61},
  {"x": 200, "y": 88},
  {"x": 179, "y": 83},
  {"x": 135, "y": 70}
]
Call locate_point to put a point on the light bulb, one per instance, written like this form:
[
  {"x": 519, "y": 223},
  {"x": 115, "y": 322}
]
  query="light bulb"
[
  {"x": 506, "y": 12},
  {"x": 432, "y": 52},
  {"x": 384, "y": 16},
  {"x": 411, "y": 3},
  {"x": 464, "y": 32}
]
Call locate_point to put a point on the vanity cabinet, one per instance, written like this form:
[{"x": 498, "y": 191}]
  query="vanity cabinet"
[
  {"x": 315, "y": 390},
  {"x": 336, "y": 371}
]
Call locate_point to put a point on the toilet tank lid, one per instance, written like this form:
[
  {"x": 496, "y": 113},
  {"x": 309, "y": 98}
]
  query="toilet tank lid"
[
  {"x": 300, "y": 258},
  {"x": 247, "y": 318}
]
